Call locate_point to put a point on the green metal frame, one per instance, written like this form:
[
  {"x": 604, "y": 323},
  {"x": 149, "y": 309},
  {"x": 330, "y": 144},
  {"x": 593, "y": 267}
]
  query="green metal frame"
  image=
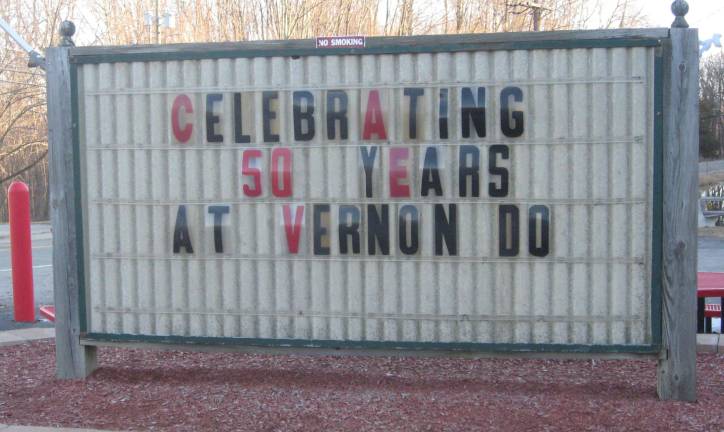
[
  {"x": 82, "y": 293},
  {"x": 374, "y": 345},
  {"x": 658, "y": 202},
  {"x": 79, "y": 56},
  {"x": 295, "y": 51}
]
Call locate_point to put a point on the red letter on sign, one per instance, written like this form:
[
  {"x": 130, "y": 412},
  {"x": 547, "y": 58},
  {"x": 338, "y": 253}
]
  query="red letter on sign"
[
  {"x": 398, "y": 171},
  {"x": 293, "y": 231},
  {"x": 374, "y": 123},
  {"x": 285, "y": 155},
  {"x": 181, "y": 101},
  {"x": 254, "y": 172}
]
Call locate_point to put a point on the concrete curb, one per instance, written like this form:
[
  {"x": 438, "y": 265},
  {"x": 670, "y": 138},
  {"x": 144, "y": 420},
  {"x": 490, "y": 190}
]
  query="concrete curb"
[
  {"x": 709, "y": 343},
  {"x": 14, "y": 337}
]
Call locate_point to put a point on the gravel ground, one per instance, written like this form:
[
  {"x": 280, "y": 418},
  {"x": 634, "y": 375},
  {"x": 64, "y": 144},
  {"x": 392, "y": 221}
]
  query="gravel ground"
[{"x": 135, "y": 389}]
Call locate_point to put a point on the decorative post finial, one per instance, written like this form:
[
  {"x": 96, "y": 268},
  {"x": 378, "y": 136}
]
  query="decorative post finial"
[
  {"x": 679, "y": 8},
  {"x": 67, "y": 30}
]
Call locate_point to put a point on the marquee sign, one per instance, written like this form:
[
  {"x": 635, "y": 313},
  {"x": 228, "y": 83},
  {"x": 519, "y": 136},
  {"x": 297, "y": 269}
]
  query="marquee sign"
[
  {"x": 384, "y": 163},
  {"x": 459, "y": 193}
]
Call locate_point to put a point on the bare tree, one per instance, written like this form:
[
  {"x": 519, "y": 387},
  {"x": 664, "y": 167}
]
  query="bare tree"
[
  {"x": 23, "y": 126},
  {"x": 711, "y": 102}
]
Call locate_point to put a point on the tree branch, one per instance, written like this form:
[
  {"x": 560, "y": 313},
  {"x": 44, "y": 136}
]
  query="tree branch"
[{"x": 28, "y": 167}]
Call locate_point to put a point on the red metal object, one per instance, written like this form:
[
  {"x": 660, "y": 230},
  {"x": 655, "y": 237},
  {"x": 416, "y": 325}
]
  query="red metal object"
[
  {"x": 712, "y": 310},
  {"x": 21, "y": 252},
  {"x": 710, "y": 284},
  {"x": 48, "y": 312}
]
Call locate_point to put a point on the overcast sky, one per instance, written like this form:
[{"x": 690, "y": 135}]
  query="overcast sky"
[{"x": 706, "y": 15}]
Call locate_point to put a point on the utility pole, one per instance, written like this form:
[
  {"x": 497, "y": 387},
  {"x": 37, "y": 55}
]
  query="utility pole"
[
  {"x": 536, "y": 16},
  {"x": 535, "y": 9},
  {"x": 157, "y": 23}
]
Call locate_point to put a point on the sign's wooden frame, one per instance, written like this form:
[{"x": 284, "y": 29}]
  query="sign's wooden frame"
[{"x": 673, "y": 296}]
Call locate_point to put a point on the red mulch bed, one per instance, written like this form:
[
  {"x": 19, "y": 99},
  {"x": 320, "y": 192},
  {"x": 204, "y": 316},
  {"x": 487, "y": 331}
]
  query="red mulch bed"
[{"x": 135, "y": 389}]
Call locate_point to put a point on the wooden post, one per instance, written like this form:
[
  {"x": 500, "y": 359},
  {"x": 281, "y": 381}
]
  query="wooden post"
[
  {"x": 72, "y": 360},
  {"x": 676, "y": 372}
]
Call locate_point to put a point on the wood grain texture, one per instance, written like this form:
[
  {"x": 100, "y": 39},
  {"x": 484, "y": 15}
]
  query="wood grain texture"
[
  {"x": 677, "y": 365},
  {"x": 72, "y": 359}
]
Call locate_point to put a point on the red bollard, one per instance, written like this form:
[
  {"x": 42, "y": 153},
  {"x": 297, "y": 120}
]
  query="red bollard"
[{"x": 21, "y": 251}]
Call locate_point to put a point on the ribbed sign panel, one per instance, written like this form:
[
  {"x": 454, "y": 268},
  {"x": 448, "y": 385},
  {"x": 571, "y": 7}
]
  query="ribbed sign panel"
[{"x": 490, "y": 197}]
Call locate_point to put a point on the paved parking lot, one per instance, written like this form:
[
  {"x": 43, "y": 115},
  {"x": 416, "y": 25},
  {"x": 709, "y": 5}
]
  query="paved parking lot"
[{"x": 42, "y": 273}]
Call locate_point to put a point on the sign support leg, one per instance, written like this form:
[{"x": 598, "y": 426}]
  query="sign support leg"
[
  {"x": 676, "y": 372},
  {"x": 72, "y": 359}
]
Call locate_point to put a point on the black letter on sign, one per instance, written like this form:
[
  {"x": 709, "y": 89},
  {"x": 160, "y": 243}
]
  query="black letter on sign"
[
  {"x": 319, "y": 230},
  {"x": 268, "y": 115},
  {"x": 349, "y": 227},
  {"x": 239, "y": 136},
  {"x": 493, "y": 169},
  {"x": 181, "y": 237},
  {"x": 378, "y": 227},
  {"x": 446, "y": 227},
  {"x": 368, "y": 161},
  {"x": 465, "y": 171},
  {"x": 442, "y": 121},
  {"x": 299, "y": 115},
  {"x": 409, "y": 245},
  {"x": 430, "y": 173},
  {"x": 414, "y": 93},
  {"x": 472, "y": 110},
  {"x": 335, "y": 114},
  {"x": 508, "y": 233},
  {"x": 533, "y": 247},
  {"x": 505, "y": 113},
  {"x": 212, "y": 119},
  {"x": 218, "y": 212}
]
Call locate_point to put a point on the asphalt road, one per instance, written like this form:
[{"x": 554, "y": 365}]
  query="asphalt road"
[
  {"x": 711, "y": 254},
  {"x": 711, "y": 259},
  {"x": 42, "y": 274}
]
